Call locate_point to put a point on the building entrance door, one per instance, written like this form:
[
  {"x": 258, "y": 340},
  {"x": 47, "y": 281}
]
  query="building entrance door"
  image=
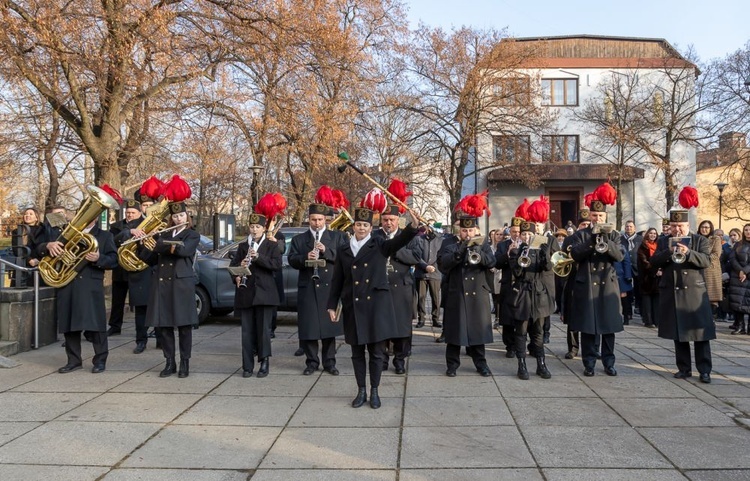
[{"x": 564, "y": 206}]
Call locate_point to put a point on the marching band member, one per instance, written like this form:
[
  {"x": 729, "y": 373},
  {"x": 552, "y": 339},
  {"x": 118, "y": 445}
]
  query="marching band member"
[
  {"x": 566, "y": 312},
  {"x": 360, "y": 281},
  {"x": 503, "y": 263}
]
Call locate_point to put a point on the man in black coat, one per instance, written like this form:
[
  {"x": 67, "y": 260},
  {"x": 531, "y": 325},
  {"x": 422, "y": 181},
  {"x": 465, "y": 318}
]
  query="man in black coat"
[
  {"x": 428, "y": 277},
  {"x": 313, "y": 288},
  {"x": 503, "y": 262},
  {"x": 596, "y": 291},
  {"x": 120, "y": 276},
  {"x": 567, "y": 309},
  {"x": 401, "y": 285},
  {"x": 684, "y": 308},
  {"x": 80, "y": 303},
  {"x": 360, "y": 281}
]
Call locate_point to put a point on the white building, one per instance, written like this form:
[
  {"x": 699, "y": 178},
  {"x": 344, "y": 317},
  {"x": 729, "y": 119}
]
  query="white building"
[{"x": 566, "y": 164}]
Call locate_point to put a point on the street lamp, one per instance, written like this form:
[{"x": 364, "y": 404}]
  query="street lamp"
[
  {"x": 256, "y": 169},
  {"x": 720, "y": 186}
]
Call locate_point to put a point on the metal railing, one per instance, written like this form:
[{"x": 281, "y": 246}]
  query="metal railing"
[{"x": 35, "y": 273}]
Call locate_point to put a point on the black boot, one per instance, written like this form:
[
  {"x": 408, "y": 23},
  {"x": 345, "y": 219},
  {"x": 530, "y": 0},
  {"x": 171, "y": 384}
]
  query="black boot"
[
  {"x": 523, "y": 373},
  {"x": 169, "y": 369},
  {"x": 361, "y": 398},
  {"x": 541, "y": 368},
  {"x": 263, "y": 371},
  {"x": 184, "y": 368},
  {"x": 374, "y": 398}
]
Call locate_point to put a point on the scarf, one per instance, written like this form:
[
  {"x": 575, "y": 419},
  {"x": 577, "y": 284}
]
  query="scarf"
[
  {"x": 650, "y": 246},
  {"x": 356, "y": 245}
]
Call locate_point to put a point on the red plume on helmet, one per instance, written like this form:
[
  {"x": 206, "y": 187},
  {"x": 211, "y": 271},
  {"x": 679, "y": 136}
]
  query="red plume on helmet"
[
  {"x": 539, "y": 210},
  {"x": 339, "y": 199},
  {"x": 588, "y": 199},
  {"x": 325, "y": 196},
  {"x": 688, "y": 197},
  {"x": 606, "y": 194},
  {"x": 523, "y": 210},
  {"x": 271, "y": 205},
  {"x": 176, "y": 189},
  {"x": 280, "y": 202},
  {"x": 474, "y": 205},
  {"x": 112, "y": 192},
  {"x": 375, "y": 200},
  {"x": 398, "y": 189},
  {"x": 153, "y": 187}
]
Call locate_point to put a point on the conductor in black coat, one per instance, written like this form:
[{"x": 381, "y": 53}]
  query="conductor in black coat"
[
  {"x": 401, "y": 285},
  {"x": 80, "y": 303},
  {"x": 360, "y": 281},
  {"x": 315, "y": 325},
  {"x": 256, "y": 296}
]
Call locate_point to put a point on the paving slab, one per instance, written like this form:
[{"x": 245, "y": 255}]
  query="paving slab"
[
  {"x": 464, "y": 447},
  {"x": 241, "y": 411},
  {"x": 606, "y": 447},
  {"x": 334, "y": 448},
  {"x": 688, "y": 448},
  {"x": 149, "y": 381},
  {"x": 123, "y": 359},
  {"x": 466, "y": 383},
  {"x": 338, "y": 412},
  {"x": 77, "y": 443},
  {"x": 204, "y": 447},
  {"x": 280, "y": 385},
  {"x": 490, "y": 474},
  {"x": 325, "y": 475},
  {"x": 634, "y": 386},
  {"x": 555, "y": 387},
  {"x": 23, "y": 406},
  {"x": 11, "y": 378},
  {"x": 346, "y": 386},
  {"x": 30, "y": 472},
  {"x": 78, "y": 381},
  {"x": 132, "y": 407},
  {"x": 460, "y": 411},
  {"x": 135, "y": 474},
  {"x": 719, "y": 475},
  {"x": 739, "y": 403},
  {"x": 566, "y": 412},
  {"x": 660, "y": 412},
  {"x": 11, "y": 430},
  {"x": 578, "y": 474}
]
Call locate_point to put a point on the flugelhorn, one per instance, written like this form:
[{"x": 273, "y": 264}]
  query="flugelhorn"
[{"x": 127, "y": 253}]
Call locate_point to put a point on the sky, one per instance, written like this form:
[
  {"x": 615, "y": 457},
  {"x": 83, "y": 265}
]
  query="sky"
[{"x": 714, "y": 28}]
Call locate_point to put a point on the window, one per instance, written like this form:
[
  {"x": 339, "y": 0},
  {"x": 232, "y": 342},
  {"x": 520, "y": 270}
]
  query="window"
[
  {"x": 560, "y": 92},
  {"x": 511, "y": 149},
  {"x": 512, "y": 91},
  {"x": 560, "y": 148}
]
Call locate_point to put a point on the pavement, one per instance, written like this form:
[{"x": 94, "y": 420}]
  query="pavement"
[{"x": 129, "y": 424}]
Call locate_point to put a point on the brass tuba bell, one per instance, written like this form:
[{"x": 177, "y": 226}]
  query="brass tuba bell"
[
  {"x": 155, "y": 220},
  {"x": 562, "y": 263},
  {"x": 59, "y": 271},
  {"x": 342, "y": 221}
]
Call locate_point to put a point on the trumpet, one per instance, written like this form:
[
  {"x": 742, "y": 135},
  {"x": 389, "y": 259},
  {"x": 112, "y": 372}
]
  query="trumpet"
[
  {"x": 601, "y": 231},
  {"x": 524, "y": 260},
  {"x": 473, "y": 245},
  {"x": 677, "y": 256}
]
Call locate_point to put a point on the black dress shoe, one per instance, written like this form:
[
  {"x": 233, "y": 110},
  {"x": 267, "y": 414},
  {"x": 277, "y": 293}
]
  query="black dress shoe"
[
  {"x": 588, "y": 372},
  {"x": 569, "y": 355},
  {"x": 705, "y": 378},
  {"x": 610, "y": 371},
  {"x": 683, "y": 374},
  {"x": 437, "y": 324},
  {"x": 361, "y": 398},
  {"x": 184, "y": 368},
  {"x": 510, "y": 353},
  {"x": 169, "y": 369},
  {"x": 440, "y": 339},
  {"x": 247, "y": 373},
  {"x": 484, "y": 371},
  {"x": 299, "y": 352},
  {"x": 332, "y": 371},
  {"x": 374, "y": 398},
  {"x": 69, "y": 368},
  {"x": 308, "y": 370},
  {"x": 400, "y": 370},
  {"x": 97, "y": 368},
  {"x": 113, "y": 331},
  {"x": 139, "y": 347},
  {"x": 450, "y": 372},
  {"x": 263, "y": 371},
  {"x": 419, "y": 324}
]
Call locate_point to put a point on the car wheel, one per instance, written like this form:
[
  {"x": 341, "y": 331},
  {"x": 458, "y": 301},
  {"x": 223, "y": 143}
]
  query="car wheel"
[{"x": 202, "y": 304}]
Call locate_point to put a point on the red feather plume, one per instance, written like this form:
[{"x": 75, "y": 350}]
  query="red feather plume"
[
  {"x": 113, "y": 193},
  {"x": 153, "y": 187},
  {"x": 280, "y": 202},
  {"x": 474, "y": 205},
  {"x": 588, "y": 199},
  {"x": 325, "y": 196},
  {"x": 339, "y": 200},
  {"x": 398, "y": 189},
  {"x": 688, "y": 197},
  {"x": 375, "y": 200},
  {"x": 606, "y": 194},
  {"x": 523, "y": 210},
  {"x": 177, "y": 190},
  {"x": 271, "y": 205},
  {"x": 539, "y": 210}
]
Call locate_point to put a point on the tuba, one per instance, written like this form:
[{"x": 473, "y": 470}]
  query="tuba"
[
  {"x": 155, "y": 220},
  {"x": 342, "y": 221},
  {"x": 59, "y": 271}
]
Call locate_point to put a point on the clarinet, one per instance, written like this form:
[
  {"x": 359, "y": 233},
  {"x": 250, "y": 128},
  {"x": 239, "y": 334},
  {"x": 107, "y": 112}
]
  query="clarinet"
[
  {"x": 316, "y": 274},
  {"x": 250, "y": 247}
]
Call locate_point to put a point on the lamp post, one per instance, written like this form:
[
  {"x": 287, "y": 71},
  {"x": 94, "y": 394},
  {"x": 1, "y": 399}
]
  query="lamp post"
[
  {"x": 256, "y": 169},
  {"x": 720, "y": 186}
]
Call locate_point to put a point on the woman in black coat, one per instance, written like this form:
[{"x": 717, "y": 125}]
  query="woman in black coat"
[
  {"x": 648, "y": 279},
  {"x": 170, "y": 303},
  {"x": 256, "y": 296},
  {"x": 739, "y": 286}
]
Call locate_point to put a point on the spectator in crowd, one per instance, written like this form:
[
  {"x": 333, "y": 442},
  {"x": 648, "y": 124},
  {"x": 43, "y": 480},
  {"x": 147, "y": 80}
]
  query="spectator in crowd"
[{"x": 648, "y": 279}]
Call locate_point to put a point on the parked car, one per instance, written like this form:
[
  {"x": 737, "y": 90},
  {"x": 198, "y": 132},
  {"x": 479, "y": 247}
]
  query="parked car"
[
  {"x": 206, "y": 244},
  {"x": 214, "y": 292}
]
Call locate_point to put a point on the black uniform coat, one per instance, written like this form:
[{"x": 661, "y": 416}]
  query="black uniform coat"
[
  {"x": 361, "y": 283},
  {"x": 118, "y": 273},
  {"x": 466, "y": 318},
  {"x": 401, "y": 282},
  {"x": 739, "y": 292},
  {"x": 171, "y": 300},
  {"x": 261, "y": 287},
  {"x": 684, "y": 309},
  {"x": 313, "y": 320},
  {"x": 596, "y": 301},
  {"x": 530, "y": 297},
  {"x": 502, "y": 262},
  {"x": 80, "y": 304},
  {"x": 139, "y": 283}
]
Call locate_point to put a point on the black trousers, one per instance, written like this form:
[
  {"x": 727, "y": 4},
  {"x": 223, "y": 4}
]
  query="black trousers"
[
  {"x": 547, "y": 325},
  {"x": 702, "y": 351},
  {"x": 535, "y": 329},
  {"x": 256, "y": 334},
  {"x": 119, "y": 293},
  {"x": 650, "y": 309},
  {"x": 574, "y": 344},
  {"x": 509, "y": 337},
  {"x": 589, "y": 348},
  {"x": 401, "y": 348},
  {"x": 376, "y": 351},
  {"x": 328, "y": 352},
  {"x": 141, "y": 331},
  {"x": 73, "y": 347},
  {"x": 431, "y": 286},
  {"x": 453, "y": 355},
  {"x": 168, "y": 344}
]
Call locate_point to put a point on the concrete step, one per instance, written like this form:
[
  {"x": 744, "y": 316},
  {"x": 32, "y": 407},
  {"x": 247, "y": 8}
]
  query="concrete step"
[{"x": 8, "y": 348}]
